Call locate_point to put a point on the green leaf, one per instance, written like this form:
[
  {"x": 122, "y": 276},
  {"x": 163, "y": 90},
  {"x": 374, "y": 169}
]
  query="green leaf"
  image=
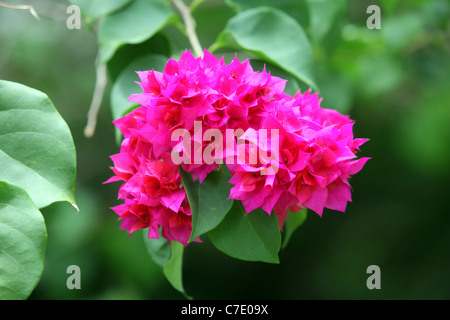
[
  {"x": 253, "y": 237},
  {"x": 293, "y": 221},
  {"x": 273, "y": 36},
  {"x": 295, "y": 8},
  {"x": 92, "y": 10},
  {"x": 134, "y": 24},
  {"x": 23, "y": 238},
  {"x": 159, "y": 249},
  {"x": 169, "y": 257},
  {"x": 158, "y": 44},
  {"x": 36, "y": 148},
  {"x": 323, "y": 14},
  {"x": 210, "y": 20},
  {"x": 173, "y": 269},
  {"x": 125, "y": 85},
  {"x": 209, "y": 200}
]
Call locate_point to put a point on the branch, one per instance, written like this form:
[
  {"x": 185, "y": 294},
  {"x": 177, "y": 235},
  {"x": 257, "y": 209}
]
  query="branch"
[
  {"x": 20, "y": 7},
  {"x": 189, "y": 24},
  {"x": 99, "y": 90}
]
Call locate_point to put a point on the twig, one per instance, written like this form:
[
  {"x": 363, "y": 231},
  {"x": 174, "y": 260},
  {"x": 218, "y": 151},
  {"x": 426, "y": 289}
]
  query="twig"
[
  {"x": 97, "y": 98},
  {"x": 20, "y": 7},
  {"x": 189, "y": 24}
]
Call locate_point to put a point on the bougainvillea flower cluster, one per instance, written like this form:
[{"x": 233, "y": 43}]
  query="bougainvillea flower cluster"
[{"x": 314, "y": 147}]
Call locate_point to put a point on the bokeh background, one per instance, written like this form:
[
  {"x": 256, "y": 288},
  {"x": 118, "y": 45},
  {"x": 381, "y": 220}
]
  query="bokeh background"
[{"x": 394, "y": 82}]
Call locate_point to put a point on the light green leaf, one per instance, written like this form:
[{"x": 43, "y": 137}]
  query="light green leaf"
[
  {"x": 208, "y": 200},
  {"x": 91, "y": 10},
  {"x": 134, "y": 24},
  {"x": 253, "y": 237},
  {"x": 23, "y": 239},
  {"x": 274, "y": 37},
  {"x": 159, "y": 249},
  {"x": 36, "y": 148},
  {"x": 173, "y": 269},
  {"x": 293, "y": 221},
  {"x": 125, "y": 85},
  {"x": 295, "y": 8}
]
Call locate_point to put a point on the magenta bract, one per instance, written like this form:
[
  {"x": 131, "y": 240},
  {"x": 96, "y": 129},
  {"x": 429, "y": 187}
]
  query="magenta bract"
[{"x": 312, "y": 149}]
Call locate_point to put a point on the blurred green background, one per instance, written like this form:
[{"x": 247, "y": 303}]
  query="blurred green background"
[{"x": 394, "y": 82}]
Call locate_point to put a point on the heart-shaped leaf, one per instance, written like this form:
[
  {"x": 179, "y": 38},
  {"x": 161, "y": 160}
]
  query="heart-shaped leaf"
[
  {"x": 36, "y": 148},
  {"x": 253, "y": 237},
  {"x": 173, "y": 269},
  {"x": 209, "y": 200},
  {"x": 159, "y": 249},
  {"x": 133, "y": 24},
  {"x": 23, "y": 239},
  {"x": 295, "y": 8},
  {"x": 273, "y": 36}
]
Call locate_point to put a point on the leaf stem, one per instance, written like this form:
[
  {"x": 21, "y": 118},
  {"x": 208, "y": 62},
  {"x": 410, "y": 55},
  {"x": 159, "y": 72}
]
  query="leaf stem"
[
  {"x": 20, "y": 7},
  {"x": 96, "y": 102},
  {"x": 189, "y": 24}
]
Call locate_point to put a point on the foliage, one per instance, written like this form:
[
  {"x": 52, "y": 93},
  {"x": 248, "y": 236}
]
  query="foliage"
[{"x": 38, "y": 168}]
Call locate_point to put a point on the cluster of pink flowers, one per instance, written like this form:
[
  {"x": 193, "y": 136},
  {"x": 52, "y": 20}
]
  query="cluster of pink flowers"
[{"x": 315, "y": 157}]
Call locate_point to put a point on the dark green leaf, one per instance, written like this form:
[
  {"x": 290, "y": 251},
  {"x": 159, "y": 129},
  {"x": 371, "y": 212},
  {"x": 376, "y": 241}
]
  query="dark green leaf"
[
  {"x": 23, "y": 239},
  {"x": 158, "y": 44},
  {"x": 173, "y": 269},
  {"x": 36, "y": 148},
  {"x": 159, "y": 249},
  {"x": 293, "y": 221},
  {"x": 209, "y": 200},
  {"x": 210, "y": 20},
  {"x": 252, "y": 237},
  {"x": 134, "y": 24},
  {"x": 273, "y": 36}
]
